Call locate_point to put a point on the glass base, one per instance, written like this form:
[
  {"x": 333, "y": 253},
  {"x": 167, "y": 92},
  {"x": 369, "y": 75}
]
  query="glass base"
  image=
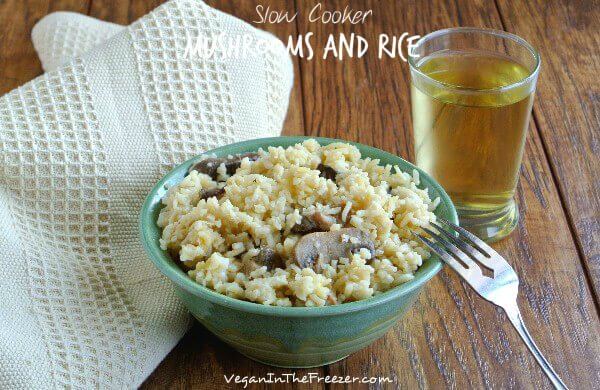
[{"x": 490, "y": 225}]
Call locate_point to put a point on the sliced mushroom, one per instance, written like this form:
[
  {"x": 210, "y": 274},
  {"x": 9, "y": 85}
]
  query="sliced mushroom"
[
  {"x": 184, "y": 265},
  {"x": 210, "y": 165},
  {"x": 318, "y": 248},
  {"x": 266, "y": 257},
  {"x": 315, "y": 222},
  {"x": 327, "y": 172},
  {"x": 216, "y": 192}
]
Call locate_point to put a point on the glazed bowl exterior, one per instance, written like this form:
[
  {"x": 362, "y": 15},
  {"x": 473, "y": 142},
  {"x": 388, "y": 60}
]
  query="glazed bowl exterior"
[{"x": 290, "y": 336}]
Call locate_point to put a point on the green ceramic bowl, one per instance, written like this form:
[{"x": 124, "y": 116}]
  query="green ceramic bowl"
[{"x": 289, "y": 336}]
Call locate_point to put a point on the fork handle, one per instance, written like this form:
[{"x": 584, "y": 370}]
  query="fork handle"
[{"x": 514, "y": 315}]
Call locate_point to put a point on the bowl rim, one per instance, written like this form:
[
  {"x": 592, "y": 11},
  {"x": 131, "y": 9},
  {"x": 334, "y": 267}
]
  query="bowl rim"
[{"x": 183, "y": 281}]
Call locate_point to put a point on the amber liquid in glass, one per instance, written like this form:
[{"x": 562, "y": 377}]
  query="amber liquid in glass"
[{"x": 471, "y": 140}]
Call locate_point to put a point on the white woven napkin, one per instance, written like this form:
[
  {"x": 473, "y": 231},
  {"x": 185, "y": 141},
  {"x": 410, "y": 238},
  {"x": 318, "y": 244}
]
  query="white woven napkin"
[
  {"x": 59, "y": 37},
  {"x": 80, "y": 147}
]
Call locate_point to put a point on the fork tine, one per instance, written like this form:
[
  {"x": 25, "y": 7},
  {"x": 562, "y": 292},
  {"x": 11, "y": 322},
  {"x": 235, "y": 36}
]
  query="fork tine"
[
  {"x": 451, "y": 261},
  {"x": 450, "y": 247},
  {"x": 475, "y": 254},
  {"x": 477, "y": 242}
]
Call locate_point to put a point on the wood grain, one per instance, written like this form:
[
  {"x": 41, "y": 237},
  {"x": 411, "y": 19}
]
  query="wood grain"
[
  {"x": 122, "y": 11},
  {"x": 567, "y": 107},
  {"x": 452, "y": 338},
  {"x": 18, "y": 61}
]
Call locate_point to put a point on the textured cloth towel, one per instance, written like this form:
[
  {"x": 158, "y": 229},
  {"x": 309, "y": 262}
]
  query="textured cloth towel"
[{"x": 80, "y": 147}]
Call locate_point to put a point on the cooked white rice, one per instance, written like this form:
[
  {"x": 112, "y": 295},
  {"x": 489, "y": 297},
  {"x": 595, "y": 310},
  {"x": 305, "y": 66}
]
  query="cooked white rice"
[{"x": 264, "y": 199}]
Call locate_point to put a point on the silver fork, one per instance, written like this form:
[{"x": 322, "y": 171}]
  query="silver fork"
[{"x": 462, "y": 251}]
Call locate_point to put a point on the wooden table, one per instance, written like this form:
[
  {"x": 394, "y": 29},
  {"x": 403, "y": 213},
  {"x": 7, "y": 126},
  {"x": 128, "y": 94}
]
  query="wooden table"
[{"x": 451, "y": 338}]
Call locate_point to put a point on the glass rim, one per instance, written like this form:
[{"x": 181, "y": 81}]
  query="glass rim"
[{"x": 487, "y": 31}]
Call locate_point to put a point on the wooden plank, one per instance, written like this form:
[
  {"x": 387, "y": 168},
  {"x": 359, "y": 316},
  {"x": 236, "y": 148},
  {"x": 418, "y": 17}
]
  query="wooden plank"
[
  {"x": 200, "y": 361},
  {"x": 18, "y": 60},
  {"x": 122, "y": 11},
  {"x": 567, "y": 106},
  {"x": 453, "y": 338}
]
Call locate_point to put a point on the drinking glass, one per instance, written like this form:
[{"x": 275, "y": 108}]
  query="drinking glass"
[{"x": 472, "y": 92}]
